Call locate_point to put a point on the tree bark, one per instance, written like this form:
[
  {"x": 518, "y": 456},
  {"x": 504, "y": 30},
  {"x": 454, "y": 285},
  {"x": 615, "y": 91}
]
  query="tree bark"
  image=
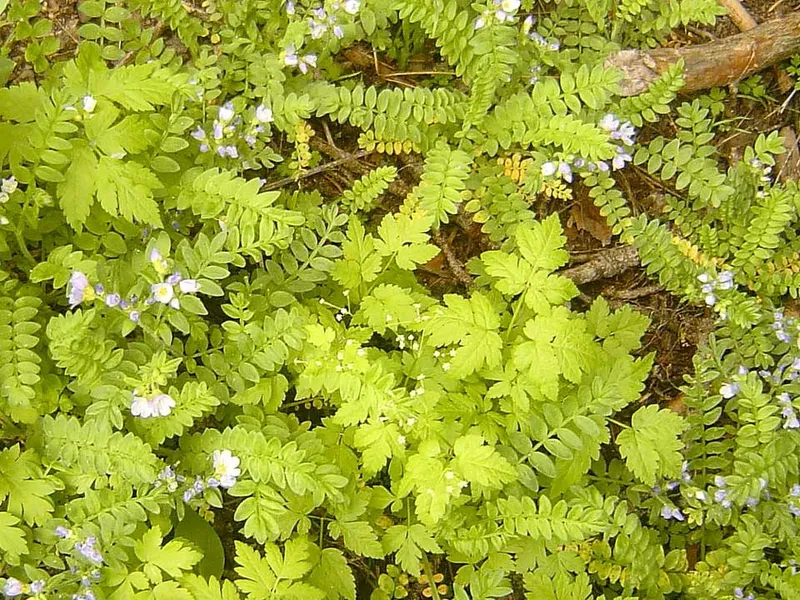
[{"x": 717, "y": 63}]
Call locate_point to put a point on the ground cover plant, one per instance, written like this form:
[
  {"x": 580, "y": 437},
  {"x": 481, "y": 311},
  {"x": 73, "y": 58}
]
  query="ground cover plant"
[{"x": 286, "y": 312}]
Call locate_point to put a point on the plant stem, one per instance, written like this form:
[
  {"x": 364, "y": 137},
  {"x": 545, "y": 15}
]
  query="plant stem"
[{"x": 429, "y": 574}]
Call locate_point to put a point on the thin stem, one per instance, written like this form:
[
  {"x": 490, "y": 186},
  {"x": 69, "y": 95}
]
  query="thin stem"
[{"x": 429, "y": 574}]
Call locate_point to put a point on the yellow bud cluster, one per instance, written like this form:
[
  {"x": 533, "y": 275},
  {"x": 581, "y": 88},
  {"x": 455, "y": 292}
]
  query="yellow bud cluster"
[
  {"x": 693, "y": 253},
  {"x": 301, "y": 157},
  {"x": 367, "y": 141},
  {"x": 515, "y": 167},
  {"x": 555, "y": 188}
]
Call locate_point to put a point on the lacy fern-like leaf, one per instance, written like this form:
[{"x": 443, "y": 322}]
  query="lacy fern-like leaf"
[
  {"x": 443, "y": 180},
  {"x": 651, "y": 447}
]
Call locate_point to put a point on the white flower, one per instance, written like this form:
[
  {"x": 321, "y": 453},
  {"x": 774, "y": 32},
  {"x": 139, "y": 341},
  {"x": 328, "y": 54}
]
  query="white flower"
[
  {"x": 162, "y": 292},
  {"x": 9, "y": 185},
  {"x": 263, "y": 114},
  {"x": 510, "y": 5},
  {"x": 162, "y": 404},
  {"x": 159, "y": 405},
  {"x": 226, "y": 112},
  {"x": 609, "y": 122},
  {"x": 226, "y": 467},
  {"x": 89, "y": 103},
  {"x": 189, "y": 286},
  {"x": 480, "y": 23},
  {"x": 351, "y": 6},
  {"x": 140, "y": 407},
  {"x": 548, "y": 169}
]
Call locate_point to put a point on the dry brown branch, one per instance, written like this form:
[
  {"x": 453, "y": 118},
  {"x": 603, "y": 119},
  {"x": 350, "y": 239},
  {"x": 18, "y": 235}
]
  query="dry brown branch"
[
  {"x": 459, "y": 272},
  {"x": 738, "y": 14},
  {"x": 789, "y": 161},
  {"x": 713, "y": 64},
  {"x": 608, "y": 263}
]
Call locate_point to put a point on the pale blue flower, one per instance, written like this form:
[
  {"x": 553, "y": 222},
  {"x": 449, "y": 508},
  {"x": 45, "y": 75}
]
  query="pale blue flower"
[
  {"x": 63, "y": 532},
  {"x": 37, "y": 586},
  {"x": 174, "y": 279},
  {"x": 290, "y": 58},
  {"x": 609, "y": 122},
  {"x": 88, "y": 550},
  {"x": 12, "y": 588},
  {"x": 199, "y": 133},
  {"x": 189, "y": 286},
  {"x": 113, "y": 300},
  {"x": 134, "y": 316},
  {"x": 729, "y": 390},
  {"x": 264, "y": 114},
  {"x": 671, "y": 512},
  {"x": 76, "y": 290},
  {"x": 548, "y": 169},
  {"x": 226, "y": 112}
]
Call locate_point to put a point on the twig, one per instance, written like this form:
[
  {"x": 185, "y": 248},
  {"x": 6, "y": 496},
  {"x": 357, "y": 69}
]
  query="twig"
[
  {"x": 639, "y": 292},
  {"x": 745, "y": 22},
  {"x": 738, "y": 14},
  {"x": 789, "y": 161},
  {"x": 455, "y": 265},
  {"x": 608, "y": 263},
  {"x": 719, "y": 63},
  {"x": 315, "y": 171}
]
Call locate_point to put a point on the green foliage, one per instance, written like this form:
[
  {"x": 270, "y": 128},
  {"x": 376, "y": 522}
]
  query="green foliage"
[{"x": 211, "y": 342}]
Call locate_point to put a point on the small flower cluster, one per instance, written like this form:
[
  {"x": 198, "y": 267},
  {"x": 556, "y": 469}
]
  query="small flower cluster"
[
  {"x": 228, "y": 127},
  {"x": 420, "y": 389},
  {"x": 622, "y": 132},
  {"x": 226, "y": 471},
  {"x": 723, "y": 282},
  {"x": 739, "y": 593},
  {"x": 13, "y": 587},
  {"x": 164, "y": 291},
  {"x": 88, "y": 550},
  {"x": 788, "y": 412},
  {"x": 7, "y": 187},
  {"x": 780, "y": 324},
  {"x": 155, "y": 405},
  {"x": 292, "y": 59},
  {"x": 669, "y": 511},
  {"x": 455, "y": 486},
  {"x": 80, "y": 289},
  {"x": 527, "y": 29},
  {"x": 445, "y": 365},
  {"x": 765, "y": 171},
  {"x": 721, "y": 493},
  {"x": 729, "y": 389},
  {"x": 794, "y": 493},
  {"x": 502, "y": 10}
]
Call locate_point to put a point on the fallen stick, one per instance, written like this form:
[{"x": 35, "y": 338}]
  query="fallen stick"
[
  {"x": 607, "y": 263},
  {"x": 789, "y": 161},
  {"x": 738, "y": 14},
  {"x": 718, "y": 63},
  {"x": 745, "y": 22}
]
